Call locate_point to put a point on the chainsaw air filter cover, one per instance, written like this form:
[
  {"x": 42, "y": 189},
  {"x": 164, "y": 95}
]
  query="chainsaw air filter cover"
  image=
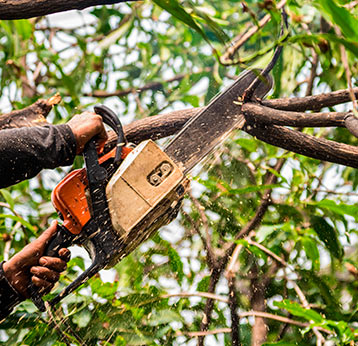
[{"x": 146, "y": 184}]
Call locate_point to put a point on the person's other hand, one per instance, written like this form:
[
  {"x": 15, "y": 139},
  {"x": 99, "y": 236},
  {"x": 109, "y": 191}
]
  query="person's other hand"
[
  {"x": 86, "y": 126},
  {"x": 29, "y": 265}
]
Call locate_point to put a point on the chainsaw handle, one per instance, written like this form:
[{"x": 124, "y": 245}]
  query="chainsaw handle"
[
  {"x": 62, "y": 239},
  {"x": 111, "y": 119}
]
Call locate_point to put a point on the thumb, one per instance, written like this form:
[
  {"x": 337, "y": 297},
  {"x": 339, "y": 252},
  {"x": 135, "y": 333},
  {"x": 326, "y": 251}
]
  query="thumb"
[{"x": 42, "y": 241}]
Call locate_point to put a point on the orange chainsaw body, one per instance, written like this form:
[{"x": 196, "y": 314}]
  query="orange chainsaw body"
[{"x": 69, "y": 196}]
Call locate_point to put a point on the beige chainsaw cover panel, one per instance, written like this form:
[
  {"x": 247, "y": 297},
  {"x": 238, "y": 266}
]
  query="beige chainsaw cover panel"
[{"x": 145, "y": 178}]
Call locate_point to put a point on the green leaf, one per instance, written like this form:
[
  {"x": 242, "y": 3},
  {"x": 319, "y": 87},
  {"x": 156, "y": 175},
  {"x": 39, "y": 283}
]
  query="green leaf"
[
  {"x": 328, "y": 235},
  {"x": 24, "y": 28},
  {"x": 82, "y": 318},
  {"x": 341, "y": 208},
  {"x": 21, "y": 220},
  {"x": 297, "y": 310},
  {"x": 176, "y": 10},
  {"x": 105, "y": 290},
  {"x": 8, "y": 198},
  {"x": 339, "y": 16},
  {"x": 219, "y": 33},
  {"x": 264, "y": 231},
  {"x": 164, "y": 317},
  {"x": 312, "y": 252},
  {"x": 114, "y": 36},
  {"x": 203, "y": 284},
  {"x": 318, "y": 38},
  {"x": 175, "y": 263},
  {"x": 248, "y": 144}
]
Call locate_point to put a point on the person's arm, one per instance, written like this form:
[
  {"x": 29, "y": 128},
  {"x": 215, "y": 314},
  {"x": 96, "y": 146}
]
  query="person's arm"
[
  {"x": 24, "y": 152},
  {"x": 29, "y": 265}
]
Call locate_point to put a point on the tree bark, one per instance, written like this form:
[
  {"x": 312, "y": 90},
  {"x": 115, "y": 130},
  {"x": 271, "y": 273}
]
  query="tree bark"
[
  {"x": 22, "y": 9},
  {"x": 34, "y": 115},
  {"x": 315, "y": 102},
  {"x": 258, "y": 303},
  {"x": 165, "y": 125}
]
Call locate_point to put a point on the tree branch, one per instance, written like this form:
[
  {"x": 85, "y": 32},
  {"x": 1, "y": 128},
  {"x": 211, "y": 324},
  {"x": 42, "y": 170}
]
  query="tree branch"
[
  {"x": 315, "y": 102},
  {"x": 304, "y": 144},
  {"x": 21, "y": 9},
  {"x": 239, "y": 41},
  {"x": 272, "y": 116},
  {"x": 33, "y": 115},
  {"x": 235, "y": 319}
]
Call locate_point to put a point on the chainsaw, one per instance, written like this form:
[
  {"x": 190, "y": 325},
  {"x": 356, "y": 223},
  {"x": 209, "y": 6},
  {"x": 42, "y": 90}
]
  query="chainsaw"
[{"x": 120, "y": 199}]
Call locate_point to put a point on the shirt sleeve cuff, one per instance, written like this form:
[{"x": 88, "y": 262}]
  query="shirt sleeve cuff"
[{"x": 9, "y": 297}]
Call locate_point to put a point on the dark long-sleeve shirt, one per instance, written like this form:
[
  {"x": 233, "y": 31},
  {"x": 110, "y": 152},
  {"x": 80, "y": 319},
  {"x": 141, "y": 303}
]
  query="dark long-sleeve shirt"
[{"x": 24, "y": 152}]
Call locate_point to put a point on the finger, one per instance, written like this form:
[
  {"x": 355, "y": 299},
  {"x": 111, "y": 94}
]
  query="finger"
[
  {"x": 31, "y": 253},
  {"x": 43, "y": 240},
  {"x": 53, "y": 263},
  {"x": 64, "y": 254},
  {"x": 101, "y": 138},
  {"x": 45, "y": 274},
  {"x": 43, "y": 285}
]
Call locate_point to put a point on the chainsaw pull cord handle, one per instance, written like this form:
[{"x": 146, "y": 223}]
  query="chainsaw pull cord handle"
[{"x": 111, "y": 119}]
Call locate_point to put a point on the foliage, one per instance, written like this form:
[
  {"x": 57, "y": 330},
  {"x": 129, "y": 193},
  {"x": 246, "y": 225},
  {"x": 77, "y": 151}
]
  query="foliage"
[{"x": 310, "y": 225}]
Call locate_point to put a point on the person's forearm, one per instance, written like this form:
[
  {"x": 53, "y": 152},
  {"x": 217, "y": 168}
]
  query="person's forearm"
[
  {"x": 9, "y": 297},
  {"x": 24, "y": 152}
]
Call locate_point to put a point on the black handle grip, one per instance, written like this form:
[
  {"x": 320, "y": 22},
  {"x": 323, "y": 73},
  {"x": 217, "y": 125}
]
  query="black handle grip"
[{"x": 62, "y": 239}]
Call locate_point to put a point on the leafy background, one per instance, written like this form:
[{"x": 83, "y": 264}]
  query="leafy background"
[{"x": 299, "y": 266}]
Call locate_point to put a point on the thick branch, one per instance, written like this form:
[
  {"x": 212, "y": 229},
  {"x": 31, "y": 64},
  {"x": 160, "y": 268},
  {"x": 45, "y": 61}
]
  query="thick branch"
[
  {"x": 33, "y": 115},
  {"x": 20, "y": 9},
  {"x": 301, "y": 143},
  {"x": 285, "y": 118},
  {"x": 164, "y": 125},
  {"x": 316, "y": 102}
]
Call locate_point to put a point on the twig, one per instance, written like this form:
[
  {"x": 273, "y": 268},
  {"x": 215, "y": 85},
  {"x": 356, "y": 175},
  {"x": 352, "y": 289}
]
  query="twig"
[
  {"x": 235, "y": 319},
  {"x": 265, "y": 73},
  {"x": 313, "y": 73},
  {"x": 204, "y": 219},
  {"x": 239, "y": 41},
  {"x": 300, "y": 294},
  {"x": 149, "y": 86},
  {"x": 255, "y": 314},
  {"x": 214, "y": 279},
  {"x": 208, "y": 249},
  {"x": 52, "y": 321},
  {"x": 204, "y": 333},
  {"x": 197, "y": 294},
  {"x": 347, "y": 71},
  {"x": 230, "y": 268},
  {"x": 268, "y": 251},
  {"x": 305, "y": 304},
  {"x": 281, "y": 319}
]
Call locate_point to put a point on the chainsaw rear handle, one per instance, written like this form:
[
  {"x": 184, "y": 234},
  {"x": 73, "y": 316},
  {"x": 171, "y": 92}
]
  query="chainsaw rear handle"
[
  {"x": 63, "y": 237},
  {"x": 97, "y": 235}
]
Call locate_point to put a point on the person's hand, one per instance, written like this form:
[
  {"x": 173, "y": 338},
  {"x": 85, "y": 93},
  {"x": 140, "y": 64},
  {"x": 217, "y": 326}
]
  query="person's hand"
[
  {"x": 86, "y": 126},
  {"x": 29, "y": 265}
]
